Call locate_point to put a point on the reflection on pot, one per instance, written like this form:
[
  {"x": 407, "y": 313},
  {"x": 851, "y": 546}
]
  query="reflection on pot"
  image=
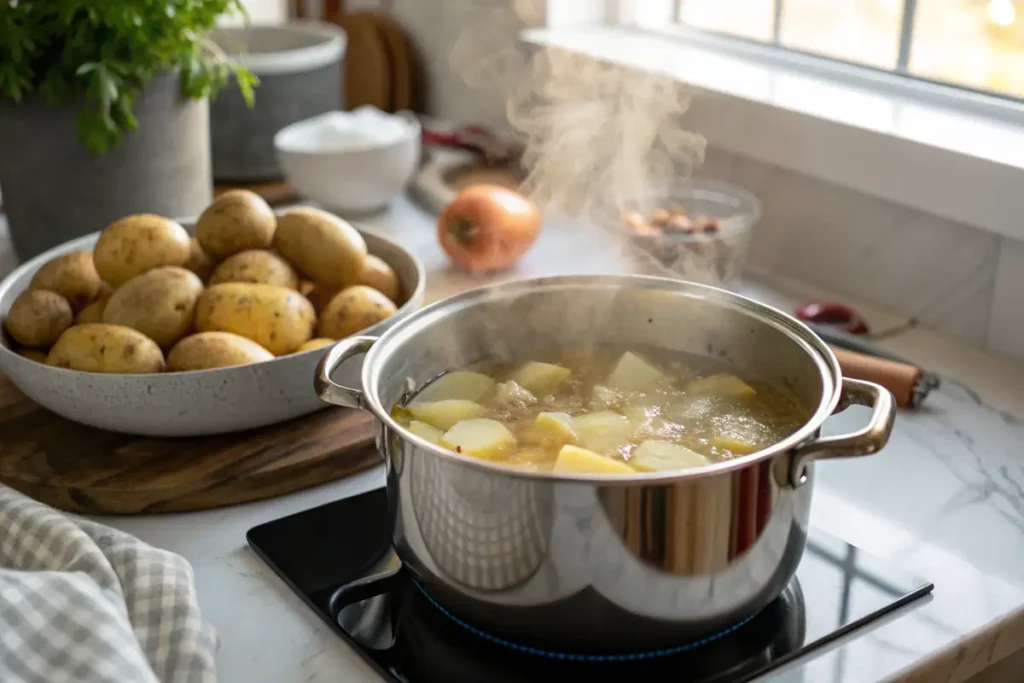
[{"x": 485, "y": 533}]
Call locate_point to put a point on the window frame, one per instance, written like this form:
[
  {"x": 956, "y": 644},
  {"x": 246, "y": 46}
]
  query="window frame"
[
  {"x": 906, "y": 33},
  {"x": 664, "y": 17},
  {"x": 879, "y": 155}
]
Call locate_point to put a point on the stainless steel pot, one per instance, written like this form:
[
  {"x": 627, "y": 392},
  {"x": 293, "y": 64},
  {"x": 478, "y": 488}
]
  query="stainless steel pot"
[{"x": 585, "y": 563}]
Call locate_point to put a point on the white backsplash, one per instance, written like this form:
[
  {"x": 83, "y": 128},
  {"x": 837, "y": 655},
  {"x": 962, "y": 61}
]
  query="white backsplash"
[
  {"x": 939, "y": 271},
  {"x": 1006, "y": 329}
]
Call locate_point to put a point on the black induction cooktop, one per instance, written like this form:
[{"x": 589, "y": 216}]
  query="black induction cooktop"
[{"x": 409, "y": 638}]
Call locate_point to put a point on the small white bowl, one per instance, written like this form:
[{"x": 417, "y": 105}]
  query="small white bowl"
[{"x": 349, "y": 179}]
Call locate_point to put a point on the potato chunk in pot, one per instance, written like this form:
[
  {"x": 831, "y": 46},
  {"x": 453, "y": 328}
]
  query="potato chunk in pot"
[{"x": 608, "y": 412}]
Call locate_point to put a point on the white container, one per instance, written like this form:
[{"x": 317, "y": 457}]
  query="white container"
[
  {"x": 299, "y": 67},
  {"x": 352, "y": 171}
]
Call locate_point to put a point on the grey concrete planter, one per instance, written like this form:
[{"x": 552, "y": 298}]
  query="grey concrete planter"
[
  {"x": 299, "y": 67},
  {"x": 55, "y": 189}
]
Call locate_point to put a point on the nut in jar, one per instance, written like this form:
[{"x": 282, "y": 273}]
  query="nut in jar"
[{"x": 698, "y": 233}]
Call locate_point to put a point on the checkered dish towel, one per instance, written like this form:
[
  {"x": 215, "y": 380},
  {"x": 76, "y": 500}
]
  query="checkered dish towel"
[{"x": 84, "y": 603}]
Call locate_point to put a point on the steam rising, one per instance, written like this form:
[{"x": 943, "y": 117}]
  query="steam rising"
[{"x": 598, "y": 137}]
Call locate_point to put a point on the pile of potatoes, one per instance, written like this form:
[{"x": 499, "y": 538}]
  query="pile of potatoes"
[{"x": 248, "y": 287}]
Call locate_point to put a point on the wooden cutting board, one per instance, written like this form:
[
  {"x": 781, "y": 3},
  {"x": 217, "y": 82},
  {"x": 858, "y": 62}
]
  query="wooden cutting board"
[
  {"x": 401, "y": 58},
  {"x": 274, "y": 192},
  {"x": 86, "y": 470},
  {"x": 367, "y": 63}
]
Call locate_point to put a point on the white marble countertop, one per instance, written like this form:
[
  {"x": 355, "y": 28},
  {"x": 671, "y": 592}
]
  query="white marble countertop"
[{"x": 944, "y": 500}]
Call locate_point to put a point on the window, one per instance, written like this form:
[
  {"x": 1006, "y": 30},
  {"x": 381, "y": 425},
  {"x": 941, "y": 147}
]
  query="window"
[{"x": 972, "y": 43}]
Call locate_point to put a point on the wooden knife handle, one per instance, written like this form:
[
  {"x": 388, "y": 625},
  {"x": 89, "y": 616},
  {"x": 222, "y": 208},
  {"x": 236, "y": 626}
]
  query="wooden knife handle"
[{"x": 899, "y": 378}]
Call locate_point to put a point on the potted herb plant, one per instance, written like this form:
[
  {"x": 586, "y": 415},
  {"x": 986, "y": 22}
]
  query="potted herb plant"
[{"x": 104, "y": 112}]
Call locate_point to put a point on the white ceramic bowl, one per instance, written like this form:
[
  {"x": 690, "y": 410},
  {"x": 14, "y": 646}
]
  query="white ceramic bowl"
[
  {"x": 351, "y": 180},
  {"x": 188, "y": 403}
]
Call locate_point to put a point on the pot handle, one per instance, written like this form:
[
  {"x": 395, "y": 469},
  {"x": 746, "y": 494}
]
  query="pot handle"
[
  {"x": 330, "y": 391},
  {"x": 379, "y": 581},
  {"x": 865, "y": 441}
]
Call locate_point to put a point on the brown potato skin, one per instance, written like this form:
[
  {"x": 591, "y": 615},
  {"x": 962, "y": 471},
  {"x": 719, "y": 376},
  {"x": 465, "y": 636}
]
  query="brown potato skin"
[
  {"x": 73, "y": 276},
  {"x": 208, "y": 350},
  {"x": 199, "y": 262},
  {"x": 277, "y": 318},
  {"x": 256, "y": 266},
  {"x": 38, "y": 355},
  {"x": 382, "y": 277},
  {"x": 111, "y": 349},
  {"x": 306, "y": 286},
  {"x": 318, "y": 343},
  {"x": 132, "y": 245},
  {"x": 321, "y": 295},
  {"x": 38, "y": 317},
  {"x": 354, "y": 309},
  {"x": 93, "y": 313},
  {"x": 160, "y": 303},
  {"x": 325, "y": 248},
  {"x": 237, "y": 220}
]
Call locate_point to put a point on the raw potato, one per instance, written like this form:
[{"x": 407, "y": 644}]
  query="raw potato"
[
  {"x": 574, "y": 460},
  {"x": 132, "y": 245},
  {"x": 540, "y": 378},
  {"x": 237, "y": 220},
  {"x": 325, "y": 248},
  {"x": 379, "y": 275},
  {"x": 321, "y": 295},
  {"x": 555, "y": 427},
  {"x": 509, "y": 395},
  {"x": 633, "y": 373},
  {"x": 93, "y": 313},
  {"x": 532, "y": 459},
  {"x": 721, "y": 385},
  {"x": 425, "y": 431},
  {"x": 106, "y": 348},
  {"x": 277, "y": 318},
  {"x": 160, "y": 303},
  {"x": 306, "y": 288},
  {"x": 734, "y": 445},
  {"x": 38, "y": 317},
  {"x": 208, "y": 350},
  {"x": 479, "y": 438},
  {"x": 663, "y": 456},
  {"x": 445, "y": 414},
  {"x": 199, "y": 262},
  {"x": 73, "y": 276},
  {"x": 603, "y": 431},
  {"x": 354, "y": 309},
  {"x": 460, "y": 384},
  {"x": 33, "y": 354},
  {"x": 257, "y": 266},
  {"x": 313, "y": 344}
]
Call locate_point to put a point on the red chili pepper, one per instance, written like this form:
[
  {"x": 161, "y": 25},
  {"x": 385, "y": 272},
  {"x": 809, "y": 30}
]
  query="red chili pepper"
[{"x": 832, "y": 313}]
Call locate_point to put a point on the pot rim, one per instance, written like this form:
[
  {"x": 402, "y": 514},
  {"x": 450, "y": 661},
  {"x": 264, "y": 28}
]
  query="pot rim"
[
  {"x": 328, "y": 45},
  {"x": 800, "y": 334}
]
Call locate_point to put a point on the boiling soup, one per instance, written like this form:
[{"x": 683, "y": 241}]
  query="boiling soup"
[{"x": 605, "y": 413}]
